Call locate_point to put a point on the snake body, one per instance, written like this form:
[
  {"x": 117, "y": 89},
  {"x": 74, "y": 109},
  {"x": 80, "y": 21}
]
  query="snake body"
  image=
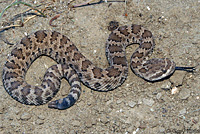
[{"x": 76, "y": 68}]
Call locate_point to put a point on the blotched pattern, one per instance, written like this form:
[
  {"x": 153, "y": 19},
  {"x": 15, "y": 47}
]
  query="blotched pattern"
[{"x": 75, "y": 67}]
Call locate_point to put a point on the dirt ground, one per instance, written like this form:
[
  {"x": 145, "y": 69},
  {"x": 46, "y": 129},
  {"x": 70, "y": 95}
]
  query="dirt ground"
[{"x": 136, "y": 107}]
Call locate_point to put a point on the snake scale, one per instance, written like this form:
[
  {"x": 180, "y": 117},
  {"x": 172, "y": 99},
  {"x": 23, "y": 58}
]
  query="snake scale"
[{"x": 76, "y": 68}]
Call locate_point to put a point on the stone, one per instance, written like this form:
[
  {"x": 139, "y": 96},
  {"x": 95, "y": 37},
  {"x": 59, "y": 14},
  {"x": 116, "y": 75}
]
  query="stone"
[
  {"x": 76, "y": 123},
  {"x": 104, "y": 120},
  {"x": 119, "y": 101},
  {"x": 25, "y": 116},
  {"x": 132, "y": 104},
  {"x": 158, "y": 96},
  {"x": 148, "y": 102},
  {"x": 89, "y": 122},
  {"x": 177, "y": 78},
  {"x": 184, "y": 94},
  {"x": 166, "y": 85},
  {"x": 183, "y": 111},
  {"x": 109, "y": 102},
  {"x": 162, "y": 129},
  {"x": 40, "y": 116},
  {"x": 39, "y": 122}
]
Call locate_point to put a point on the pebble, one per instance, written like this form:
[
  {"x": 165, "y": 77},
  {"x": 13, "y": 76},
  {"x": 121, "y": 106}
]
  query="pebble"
[
  {"x": 184, "y": 94},
  {"x": 197, "y": 56},
  {"x": 39, "y": 122},
  {"x": 166, "y": 85},
  {"x": 72, "y": 132},
  {"x": 109, "y": 102},
  {"x": 151, "y": 109},
  {"x": 130, "y": 129},
  {"x": 76, "y": 123},
  {"x": 143, "y": 125},
  {"x": 154, "y": 123},
  {"x": 164, "y": 110},
  {"x": 137, "y": 124},
  {"x": 177, "y": 78},
  {"x": 158, "y": 96},
  {"x": 104, "y": 120},
  {"x": 175, "y": 90},
  {"x": 196, "y": 127},
  {"x": 1, "y": 124},
  {"x": 17, "y": 111},
  {"x": 89, "y": 122},
  {"x": 40, "y": 116},
  {"x": 15, "y": 124},
  {"x": 135, "y": 132},
  {"x": 119, "y": 101},
  {"x": 140, "y": 101},
  {"x": 128, "y": 121},
  {"x": 1, "y": 109},
  {"x": 183, "y": 111},
  {"x": 132, "y": 104},
  {"x": 65, "y": 89},
  {"x": 25, "y": 116},
  {"x": 148, "y": 102},
  {"x": 162, "y": 129}
]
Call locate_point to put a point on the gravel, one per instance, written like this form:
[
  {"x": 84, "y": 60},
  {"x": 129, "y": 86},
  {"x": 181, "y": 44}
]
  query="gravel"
[{"x": 137, "y": 106}]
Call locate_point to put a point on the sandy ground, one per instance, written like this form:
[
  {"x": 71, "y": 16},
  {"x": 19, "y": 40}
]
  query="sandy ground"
[{"x": 137, "y": 106}]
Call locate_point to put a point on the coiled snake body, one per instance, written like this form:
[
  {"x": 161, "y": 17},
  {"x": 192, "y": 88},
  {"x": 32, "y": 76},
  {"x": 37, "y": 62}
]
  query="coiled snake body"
[{"x": 75, "y": 67}]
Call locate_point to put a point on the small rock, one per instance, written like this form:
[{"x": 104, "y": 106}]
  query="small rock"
[
  {"x": 17, "y": 111},
  {"x": 151, "y": 109},
  {"x": 128, "y": 121},
  {"x": 164, "y": 110},
  {"x": 109, "y": 102},
  {"x": 197, "y": 56},
  {"x": 196, "y": 119},
  {"x": 135, "y": 132},
  {"x": 1, "y": 109},
  {"x": 154, "y": 93},
  {"x": 70, "y": 15},
  {"x": 175, "y": 90},
  {"x": 162, "y": 129},
  {"x": 137, "y": 124},
  {"x": 15, "y": 124},
  {"x": 184, "y": 94},
  {"x": 196, "y": 127},
  {"x": 158, "y": 96},
  {"x": 183, "y": 111},
  {"x": 72, "y": 132},
  {"x": 40, "y": 116},
  {"x": 76, "y": 123},
  {"x": 39, "y": 122},
  {"x": 25, "y": 116},
  {"x": 131, "y": 104},
  {"x": 148, "y": 102},
  {"x": 143, "y": 125},
  {"x": 89, "y": 122},
  {"x": 166, "y": 85},
  {"x": 119, "y": 101},
  {"x": 1, "y": 124},
  {"x": 65, "y": 88},
  {"x": 104, "y": 120},
  {"x": 140, "y": 101},
  {"x": 154, "y": 123},
  {"x": 130, "y": 129},
  {"x": 177, "y": 78}
]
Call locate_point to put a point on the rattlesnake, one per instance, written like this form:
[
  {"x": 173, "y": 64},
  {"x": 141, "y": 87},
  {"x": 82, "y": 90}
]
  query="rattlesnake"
[{"x": 75, "y": 67}]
